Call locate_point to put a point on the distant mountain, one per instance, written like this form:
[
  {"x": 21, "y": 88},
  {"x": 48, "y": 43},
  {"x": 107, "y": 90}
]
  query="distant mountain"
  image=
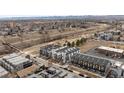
[{"x": 88, "y": 17}]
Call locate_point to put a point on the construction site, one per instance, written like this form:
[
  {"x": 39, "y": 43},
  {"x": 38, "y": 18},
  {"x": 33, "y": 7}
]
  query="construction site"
[{"x": 66, "y": 48}]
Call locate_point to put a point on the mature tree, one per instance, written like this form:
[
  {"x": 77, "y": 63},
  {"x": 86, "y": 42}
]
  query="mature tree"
[
  {"x": 85, "y": 39},
  {"x": 73, "y": 44},
  {"x": 95, "y": 34},
  {"x": 77, "y": 42},
  {"x": 64, "y": 44},
  {"x": 68, "y": 44},
  {"x": 82, "y": 40}
]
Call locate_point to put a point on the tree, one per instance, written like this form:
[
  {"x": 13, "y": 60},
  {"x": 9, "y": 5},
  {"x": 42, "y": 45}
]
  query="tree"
[
  {"x": 85, "y": 40},
  {"x": 77, "y": 42},
  {"x": 82, "y": 40},
  {"x": 95, "y": 34},
  {"x": 64, "y": 44},
  {"x": 73, "y": 44},
  {"x": 69, "y": 44}
]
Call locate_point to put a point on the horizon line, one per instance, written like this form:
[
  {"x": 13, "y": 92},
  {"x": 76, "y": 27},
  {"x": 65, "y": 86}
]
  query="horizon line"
[{"x": 10, "y": 16}]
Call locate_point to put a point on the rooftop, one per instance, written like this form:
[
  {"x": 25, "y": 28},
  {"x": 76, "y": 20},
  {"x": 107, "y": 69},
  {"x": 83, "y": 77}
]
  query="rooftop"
[
  {"x": 15, "y": 59},
  {"x": 111, "y": 49},
  {"x": 50, "y": 47},
  {"x": 18, "y": 60},
  {"x": 66, "y": 50},
  {"x": 118, "y": 64},
  {"x": 10, "y": 56},
  {"x": 91, "y": 58},
  {"x": 60, "y": 73},
  {"x": 3, "y": 71},
  {"x": 100, "y": 55},
  {"x": 122, "y": 67}
]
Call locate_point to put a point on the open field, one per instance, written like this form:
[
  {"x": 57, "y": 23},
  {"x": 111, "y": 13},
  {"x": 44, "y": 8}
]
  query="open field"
[
  {"x": 34, "y": 50},
  {"x": 34, "y": 38}
]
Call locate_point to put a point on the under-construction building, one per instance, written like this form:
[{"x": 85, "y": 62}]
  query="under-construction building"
[
  {"x": 72, "y": 55},
  {"x": 47, "y": 50},
  {"x": 92, "y": 63},
  {"x": 108, "y": 51},
  {"x": 118, "y": 32},
  {"x": 63, "y": 54},
  {"x": 105, "y": 36},
  {"x": 60, "y": 54},
  {"x": 15, "y": 62}
]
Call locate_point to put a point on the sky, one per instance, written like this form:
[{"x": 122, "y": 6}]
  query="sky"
[{"x": 60, "y": 7}]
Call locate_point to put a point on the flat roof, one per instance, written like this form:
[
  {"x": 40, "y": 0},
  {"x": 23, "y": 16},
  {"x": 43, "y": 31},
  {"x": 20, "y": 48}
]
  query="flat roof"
[
  {"x": 63, "y": 74},
  {"x": 122, "y": 67},
  {"x": 118, "y": 64},
  {"x": 115, "y": 31},
  {"x": 66, "y": 50},
  {"x": 17, "y": 60},
  {"x": 3, "y": 71},
  {"x": 60, "y": 49},
  {"x": 35, "y": 76},
  {"x": 52, "y": 69},
  {"x": 10, "y": 56},
  {"x": 111, "y": 49}
]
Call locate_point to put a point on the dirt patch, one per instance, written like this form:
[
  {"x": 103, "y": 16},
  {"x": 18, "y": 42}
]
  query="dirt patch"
[{"x": 94, "y": 43}]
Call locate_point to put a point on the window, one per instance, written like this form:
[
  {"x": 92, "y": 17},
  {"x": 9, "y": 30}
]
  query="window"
[
  {"x": 99, "y": 67},
  {"x": 83, "y": 63},
  {"x": 93, "y": 65},
  {"x": 90, "y": 64},
  {"x": 102, "y": 68},
  {"x": 96, "y": 66}
]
